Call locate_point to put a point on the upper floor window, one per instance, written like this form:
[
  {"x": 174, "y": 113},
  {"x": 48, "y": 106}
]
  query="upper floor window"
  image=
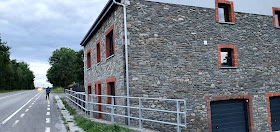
[
  {"x": 276, "y": 17},
  {"x": 110, "y": 42},
  {"x": 227, "y": 55},
  {"x": 224, "y": 11},
  {"x": 89, "y": 58},
  {"x": 98, "y": 54}
]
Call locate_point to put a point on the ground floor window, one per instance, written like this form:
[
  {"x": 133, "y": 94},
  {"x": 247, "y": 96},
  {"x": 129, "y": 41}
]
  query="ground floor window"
[
  {"x": 229, "y": 115},
  {"x": 111, "y": 89}
]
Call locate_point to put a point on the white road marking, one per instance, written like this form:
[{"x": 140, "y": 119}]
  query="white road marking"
[
  {"x": 15, "y": 123},
  {"x": 26, "y": 110},
  {"x": 12, "y": 95},
  {"x": 22, "y": 115},
  {"x": 12, "y": 115},
  {"x": 49, "y": 105},
  {"x": 48, "y": 108},
  {"x": 48, "y": 129},
  {"x": 48, "y": 113},
  {"x": 48, "y": 101},
  {"x": 30, "y": 106},
  {"x": 32, "y": 103},
  {"x": 48, "y": 120}
]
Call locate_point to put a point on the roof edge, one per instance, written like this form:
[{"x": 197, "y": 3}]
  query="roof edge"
[{"x": 103, "y": 13}]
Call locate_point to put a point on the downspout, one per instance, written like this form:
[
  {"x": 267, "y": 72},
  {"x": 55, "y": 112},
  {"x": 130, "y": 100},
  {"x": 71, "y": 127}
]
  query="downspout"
[{"x": 126, "y": 59}]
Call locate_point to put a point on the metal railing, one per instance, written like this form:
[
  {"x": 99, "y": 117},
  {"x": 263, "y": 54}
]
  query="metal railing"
[{"x": 89, "y": 102}]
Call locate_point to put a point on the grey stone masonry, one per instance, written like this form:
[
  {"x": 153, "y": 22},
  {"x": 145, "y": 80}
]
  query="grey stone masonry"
[
  {"x": 111, "y": 67},
  {"x": 169, "y": 58}
]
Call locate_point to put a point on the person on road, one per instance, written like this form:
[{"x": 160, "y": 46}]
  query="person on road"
[{"x": 48, "y": 90}]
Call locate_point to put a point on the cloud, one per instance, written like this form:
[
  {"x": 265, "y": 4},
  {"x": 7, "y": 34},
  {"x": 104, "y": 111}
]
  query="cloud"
[
  {"x": 40, "y": 70},
  {"x": 35, "y": 28}
]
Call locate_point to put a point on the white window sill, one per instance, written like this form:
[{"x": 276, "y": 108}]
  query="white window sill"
[
  {"x": 88, "y": 69},
  {"x": 98, "y": 63},
  {"x": 231, "y": 23},
  {"x": 228, "y": 67},
  {"x": 278, "y": 28},
  {"x": 110, "y": 57}
]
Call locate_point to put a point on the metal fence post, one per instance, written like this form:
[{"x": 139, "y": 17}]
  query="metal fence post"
[
  {"x": 90, "y": 106},
  {"x": 112, "y": 110},
  {"x": 178, "y": 117},
  {"x": 140, "y": 114}
]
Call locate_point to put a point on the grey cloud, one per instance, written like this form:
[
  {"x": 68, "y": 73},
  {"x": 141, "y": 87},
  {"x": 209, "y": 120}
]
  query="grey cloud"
[{"x": 35, "y": 28}]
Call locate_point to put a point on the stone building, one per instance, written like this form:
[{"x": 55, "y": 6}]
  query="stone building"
[{"x": 221, "y": 56}]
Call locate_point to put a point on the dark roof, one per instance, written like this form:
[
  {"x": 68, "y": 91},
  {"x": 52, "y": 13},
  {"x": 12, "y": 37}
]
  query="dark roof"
[{"x": 108, "y": 7}]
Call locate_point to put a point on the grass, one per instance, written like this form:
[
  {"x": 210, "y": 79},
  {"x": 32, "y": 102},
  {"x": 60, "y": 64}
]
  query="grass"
[
  {"x": 7, "y": 91},
  {"x": 57, "y": 90},
  {"x": 89, "y": 126}
]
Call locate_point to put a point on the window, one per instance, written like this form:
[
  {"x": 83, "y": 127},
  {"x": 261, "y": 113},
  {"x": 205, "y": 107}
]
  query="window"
[
  {"x": 273, "y": 100},
  {"x": 227, "y": 56},
  {"x": 230, "y": 113},
  {"x": 276, "y": 17},
  {"x": 88, "y": 58},
  {"x": 224, "y": 11},
  {"x": 98, "y": 54},
  {"x": 98, "y": 91},
  {"x": 110, "y": 42},
  {"x": 111, "y": 89},
  {"x": 89, "y": 88}
]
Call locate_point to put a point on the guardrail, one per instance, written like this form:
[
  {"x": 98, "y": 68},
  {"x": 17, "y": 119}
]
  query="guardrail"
[{"x": 89, "y": 102}]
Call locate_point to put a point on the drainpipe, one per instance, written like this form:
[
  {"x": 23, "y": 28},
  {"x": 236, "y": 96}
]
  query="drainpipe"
[{"x": 126, "y": 59}]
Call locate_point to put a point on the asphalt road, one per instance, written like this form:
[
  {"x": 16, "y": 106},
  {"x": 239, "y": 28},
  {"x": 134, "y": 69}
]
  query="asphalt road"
[{"x": 29, "y": 111}]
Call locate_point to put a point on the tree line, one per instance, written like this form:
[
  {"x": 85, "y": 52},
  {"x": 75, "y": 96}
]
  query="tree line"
[
  {"x": 67, "y": 67},
  {"x": 13, "y": 75}
]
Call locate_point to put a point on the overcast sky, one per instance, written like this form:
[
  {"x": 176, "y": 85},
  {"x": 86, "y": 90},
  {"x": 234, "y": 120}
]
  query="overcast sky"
[{"x": 35, "y": 28}]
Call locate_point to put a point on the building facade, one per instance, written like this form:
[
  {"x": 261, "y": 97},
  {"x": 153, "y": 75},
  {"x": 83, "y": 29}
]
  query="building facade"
[{"x": 221, "y": 56}]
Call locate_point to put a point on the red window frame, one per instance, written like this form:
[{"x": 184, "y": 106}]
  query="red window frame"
[
  {"x": 231, "y": 10},
  {"x": 89, "y": 88},
  {"x": 274, "y": 9},
  {"x": 99, "y": 99},
  {"x": 233, "y": 54},
  {"x": 107, "y": 45},
  {"x": 88, "y": 58},
  {"x": 109, "y": 89},
  {"x": 220, "y": 98},
  {"x": 98, "y": 52}
]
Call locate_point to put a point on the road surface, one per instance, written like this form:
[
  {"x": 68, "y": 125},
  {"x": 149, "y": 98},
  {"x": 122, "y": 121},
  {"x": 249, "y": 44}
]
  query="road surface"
[{"x": 29, "y": 111}]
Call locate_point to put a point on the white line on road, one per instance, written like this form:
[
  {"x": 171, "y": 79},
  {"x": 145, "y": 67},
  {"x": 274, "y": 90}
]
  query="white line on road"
[
  {"x": 48, "y": 120},
  {"x": 48, "y": 108},
  {"x": 49, "y": 105},
  {"x": 30, "y": 106},
  {"x": 26, "y": 110},
  {"x": 48, "y": 113},
  {"x": 12, "y": 95},
  {"x": 12, "y": 115},
  {"x": 22, "y": 115},
  {"x": 48, "y": 129},
  {"x": 15, "y": 123},
  {"x": 48, "y": 101}
]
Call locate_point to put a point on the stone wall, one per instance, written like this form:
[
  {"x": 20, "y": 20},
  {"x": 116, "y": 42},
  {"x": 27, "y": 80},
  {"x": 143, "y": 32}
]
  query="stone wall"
[
  {"x": 107, "y": 68},
  {"x": 168, "y": 58}
]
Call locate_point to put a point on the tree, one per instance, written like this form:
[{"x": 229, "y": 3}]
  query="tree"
[
  {"x": 13, "y": 75},
  {"x": 65, "y": 67}
]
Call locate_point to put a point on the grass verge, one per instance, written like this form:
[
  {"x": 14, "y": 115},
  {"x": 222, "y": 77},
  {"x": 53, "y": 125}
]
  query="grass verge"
[
  {"x": 57, "y": 90},
  {"x": 7, "y": 91},
  {"x": 89, "y": 126}
]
